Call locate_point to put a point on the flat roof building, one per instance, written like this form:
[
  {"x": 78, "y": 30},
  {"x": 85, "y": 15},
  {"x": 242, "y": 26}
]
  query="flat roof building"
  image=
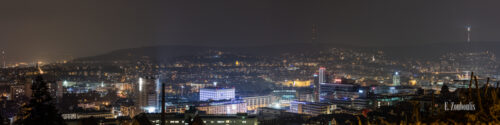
[{"x": 215, "y": 93}]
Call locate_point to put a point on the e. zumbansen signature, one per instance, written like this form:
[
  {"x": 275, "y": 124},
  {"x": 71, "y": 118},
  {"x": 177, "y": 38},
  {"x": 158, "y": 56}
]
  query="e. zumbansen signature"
[{"x": 459, "y": 107}]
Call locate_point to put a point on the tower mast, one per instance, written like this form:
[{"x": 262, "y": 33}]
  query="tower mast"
[
  {"x": 3, "y": 59},
  {"x": 314, "y": 32},
  {"x": 468, "y": 29}
]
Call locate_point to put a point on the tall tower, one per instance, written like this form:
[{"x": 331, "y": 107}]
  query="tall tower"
[
  {"x": 321, "y": 78},
  {"x": 148, "y": 93},
  {"x": 468, "y": 28},
  {"x": 322, "y": 75},
  {"x": 316, "y": 87},
  {"x": 314, "y": 34},
  {"x": 3, "y": 59},
  {"x": 158, "y": 93}
]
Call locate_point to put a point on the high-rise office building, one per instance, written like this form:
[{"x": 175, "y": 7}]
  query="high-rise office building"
[
  {"x": 316, "y": 87},
  {"x": 322, "y": 75},
  {"x": 319, "y": 78},
  {"x": 396, "y": 81},
  {"x": 148, "y": 94}
]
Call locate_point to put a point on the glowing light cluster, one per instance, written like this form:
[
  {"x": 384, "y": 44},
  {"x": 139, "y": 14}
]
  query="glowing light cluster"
[{"x": 140, "y": 84}]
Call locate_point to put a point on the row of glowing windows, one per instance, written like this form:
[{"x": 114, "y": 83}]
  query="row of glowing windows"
[{"x": 227, "y": 121}]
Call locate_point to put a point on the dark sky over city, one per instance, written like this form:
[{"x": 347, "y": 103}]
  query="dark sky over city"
[{"x": 42, "y": 28}]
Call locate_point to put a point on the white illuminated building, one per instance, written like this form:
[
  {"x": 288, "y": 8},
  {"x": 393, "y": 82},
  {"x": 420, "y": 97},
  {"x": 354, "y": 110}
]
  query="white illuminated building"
[
  {"x": 322, "y": 78},
  {"x": 214, "y": 93},
  {"x": 224, "y": 107},
  {"x": 396, "y": 79},
  {"x": 148, "y": 94},
  {"x": 221, "y": 101}
]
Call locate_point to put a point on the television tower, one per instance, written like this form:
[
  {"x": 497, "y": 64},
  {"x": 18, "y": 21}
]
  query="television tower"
[
  {"x": 3, "y": 59},
  {"x": 314, "y": 32},
  {"x": 468, "y": 28}
]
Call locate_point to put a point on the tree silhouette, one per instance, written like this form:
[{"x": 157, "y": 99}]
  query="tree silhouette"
[
  {"x": 39, "y": 110},
  {"x": 1, "y": 119},
  {"x": 90, "y": 121},
  {"x": 141, "y": 119},
  {"x": 196, "y": 120},
  {"x": 445, "y": 90}
]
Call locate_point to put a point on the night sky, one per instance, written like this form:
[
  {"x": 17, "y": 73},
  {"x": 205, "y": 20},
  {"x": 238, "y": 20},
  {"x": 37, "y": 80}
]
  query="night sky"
[{"x": 58, "y": 28}]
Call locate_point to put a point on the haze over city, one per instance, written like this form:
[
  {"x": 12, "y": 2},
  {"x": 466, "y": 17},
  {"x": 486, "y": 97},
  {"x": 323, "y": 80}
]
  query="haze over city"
[
  {"x": 249, "y": 62},
  {"x": 54, "y": 29}
]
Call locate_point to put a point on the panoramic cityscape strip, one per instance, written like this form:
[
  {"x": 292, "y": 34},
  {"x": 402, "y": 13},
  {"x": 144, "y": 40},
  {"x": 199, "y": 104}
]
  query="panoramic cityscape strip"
[{"x": 224, "y": 62}]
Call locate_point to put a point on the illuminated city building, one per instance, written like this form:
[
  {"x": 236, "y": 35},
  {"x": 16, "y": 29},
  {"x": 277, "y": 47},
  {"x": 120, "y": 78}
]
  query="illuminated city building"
[
  {"x": 322, "y": 75},
  {"x": 255, "y": 102},
  {"x": 390, "y": 90},
  {"x": 396, "y": 81},
  {"x": 297, "y": 83},
  {"x": 412, "y": 82},
  {"x": 214, "y": 93},
  {"x": 56, "y": 90},
  {"x": 223, "y": 107},
  {"x": 175, "y": 109},
  {"x": 320, "y": 78},
  {"x": 88, "y": 114},
  {"x": 284, "y": 96},
  {"x": 195, "y": 87},
  {"x": 148, "y": 94},
  {"x": 306, "y": 96},
  {"x": 312, "y": 108},
  {"x": 124, "y": 107},
  {"x": 17, "y": 92},
  {"x": 333, "y": 91},
  {"x": 316, "y": 87},
  {"x": 59, "y": 90}
]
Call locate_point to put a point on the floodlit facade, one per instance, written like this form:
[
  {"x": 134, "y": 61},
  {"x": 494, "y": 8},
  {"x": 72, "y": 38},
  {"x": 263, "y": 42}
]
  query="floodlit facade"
[
  {"x": 255, "y": 102},
  {"x": 312, "y": 108},
  {"x": 213, "y": 93},
  {"x": 149, "y": 94},
  {"x": 396, "y": 80},
  {"x": 224, "y": 107}
]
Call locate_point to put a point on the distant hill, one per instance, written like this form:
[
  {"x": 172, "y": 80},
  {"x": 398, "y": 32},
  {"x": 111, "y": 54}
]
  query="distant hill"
[
  {"x": 162, "y": 53},
  {"x": 432, "y": 51},
  {"x": 168, "y": 52}
]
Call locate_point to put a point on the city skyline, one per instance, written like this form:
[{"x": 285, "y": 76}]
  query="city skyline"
[{"x": 273, "y": 62}]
